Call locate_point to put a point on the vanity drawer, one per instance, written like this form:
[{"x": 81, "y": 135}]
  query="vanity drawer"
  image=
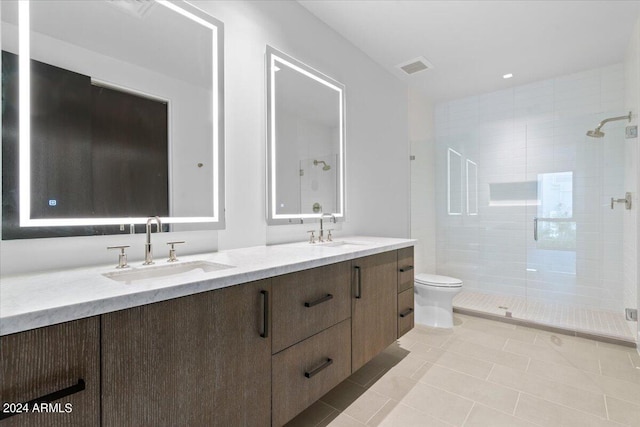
[
  {"x": 305, "y": 372},
  {"x": 307, "y": 302},
  {"x": 405, "y": 312},
  {"x": 405, "y": 269}
]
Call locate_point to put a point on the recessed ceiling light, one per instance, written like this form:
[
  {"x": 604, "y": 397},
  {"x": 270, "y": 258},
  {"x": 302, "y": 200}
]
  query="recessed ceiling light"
[{"x": 507, "y": 76}]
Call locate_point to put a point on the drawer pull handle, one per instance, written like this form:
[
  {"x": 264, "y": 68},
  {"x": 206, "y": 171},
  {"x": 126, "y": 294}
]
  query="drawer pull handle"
[
  {"x": 358, "y": 283},
  {"x": 319, "y": 368},
  {"x": 318, "y": 301},
  {"x": 265, "y": 314},
  {"x": 56, "y": 395},
  {"x": 407, "y": 312},
  {"x": 407, "y": 268}
]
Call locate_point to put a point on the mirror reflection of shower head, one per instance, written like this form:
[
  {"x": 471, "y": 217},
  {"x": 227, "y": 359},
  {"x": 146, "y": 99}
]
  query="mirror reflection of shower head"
[
  {"x": 326, "y": 167},
  {"x": 597, "y": 133}
]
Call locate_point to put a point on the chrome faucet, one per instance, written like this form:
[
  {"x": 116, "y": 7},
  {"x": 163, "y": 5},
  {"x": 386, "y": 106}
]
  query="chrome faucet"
[
  {"x": 324, "y": 215},
  {"x": 148, "y": 252}
]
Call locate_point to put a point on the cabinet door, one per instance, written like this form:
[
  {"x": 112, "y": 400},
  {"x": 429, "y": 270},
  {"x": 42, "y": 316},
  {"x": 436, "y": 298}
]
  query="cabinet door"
[
  {"x": 61, "y": 358},
  {"x": 374, "y": 306},
  {"x": 192, "y": 361}
]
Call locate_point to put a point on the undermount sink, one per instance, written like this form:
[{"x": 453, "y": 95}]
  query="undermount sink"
[{"x": 161, "y": 272}]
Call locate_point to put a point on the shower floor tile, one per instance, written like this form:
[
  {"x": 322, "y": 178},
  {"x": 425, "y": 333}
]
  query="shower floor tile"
[{"x": 586, "y": 320}]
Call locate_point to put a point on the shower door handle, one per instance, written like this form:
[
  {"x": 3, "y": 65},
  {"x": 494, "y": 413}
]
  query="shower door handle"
[{"x": 535, "y": 228}]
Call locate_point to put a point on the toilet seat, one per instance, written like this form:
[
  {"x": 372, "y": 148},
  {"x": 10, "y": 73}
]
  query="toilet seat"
[{"x": 437, "y": 281}]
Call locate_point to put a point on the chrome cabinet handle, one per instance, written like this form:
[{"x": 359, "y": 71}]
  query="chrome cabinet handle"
[
  {"x": 535, "y": 229},
  {"x": 358, "y": 283}
]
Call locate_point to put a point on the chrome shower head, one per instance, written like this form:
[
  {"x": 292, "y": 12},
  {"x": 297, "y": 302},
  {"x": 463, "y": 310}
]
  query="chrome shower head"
[
  {"x": 597, "y": 133},
  {"x": 326, "y": 167}
]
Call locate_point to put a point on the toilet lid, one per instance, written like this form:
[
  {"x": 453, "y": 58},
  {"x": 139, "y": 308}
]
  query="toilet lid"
[{"x": 438, "y": 281}]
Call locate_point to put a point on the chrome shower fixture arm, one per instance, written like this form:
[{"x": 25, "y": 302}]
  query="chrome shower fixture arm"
[
  {"x": 597, "y": 133},
  {"x": 326, "y": 167}
]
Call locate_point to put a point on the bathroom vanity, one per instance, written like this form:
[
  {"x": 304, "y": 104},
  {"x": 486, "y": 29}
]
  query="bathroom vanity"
[{"x": 251, "y": 344}]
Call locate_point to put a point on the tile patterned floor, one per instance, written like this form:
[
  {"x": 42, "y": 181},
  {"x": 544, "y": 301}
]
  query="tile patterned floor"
[
  {"x": 599, "y": 322},
  {"x": 487, "y": 374}
]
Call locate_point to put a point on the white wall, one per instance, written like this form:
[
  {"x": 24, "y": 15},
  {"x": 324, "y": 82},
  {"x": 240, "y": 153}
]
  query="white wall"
[
  {"x": 377, "y": 153},
  {"x": 423, "y": 181}
]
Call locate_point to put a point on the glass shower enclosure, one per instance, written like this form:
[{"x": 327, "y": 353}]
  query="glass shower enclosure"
[{"x": 525, "y": 215}]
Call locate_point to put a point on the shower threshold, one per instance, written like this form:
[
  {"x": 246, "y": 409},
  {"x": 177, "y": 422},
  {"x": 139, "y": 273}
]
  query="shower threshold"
[{"x": 600, "y": 325}]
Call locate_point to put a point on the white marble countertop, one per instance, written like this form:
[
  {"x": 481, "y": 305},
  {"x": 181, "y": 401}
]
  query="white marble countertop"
[{"x": 43, "y": 299}]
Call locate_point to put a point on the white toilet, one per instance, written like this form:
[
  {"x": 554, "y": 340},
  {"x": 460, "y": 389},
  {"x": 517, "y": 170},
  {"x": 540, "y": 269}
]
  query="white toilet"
[{"x": 434, "y": 299}]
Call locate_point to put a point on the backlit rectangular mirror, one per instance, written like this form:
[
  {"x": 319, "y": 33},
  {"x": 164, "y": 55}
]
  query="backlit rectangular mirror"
[
  {"x": 112, "y": 112},
  {"x": 305, "y": 141}
]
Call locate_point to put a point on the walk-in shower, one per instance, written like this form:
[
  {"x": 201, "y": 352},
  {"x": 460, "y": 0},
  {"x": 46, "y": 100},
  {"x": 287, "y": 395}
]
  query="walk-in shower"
[
  {"x": 597, "y": 133},
  {"x": 533, "y": 236}
]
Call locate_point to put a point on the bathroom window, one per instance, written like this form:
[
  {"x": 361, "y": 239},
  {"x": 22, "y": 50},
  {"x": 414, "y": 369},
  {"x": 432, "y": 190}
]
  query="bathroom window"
[{"x": 556, "y": 226}]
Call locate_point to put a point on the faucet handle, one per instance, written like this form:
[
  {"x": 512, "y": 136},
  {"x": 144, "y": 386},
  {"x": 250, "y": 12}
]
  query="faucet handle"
[
  {"x": 172, "y": 250},
  {"x": 122, "y": 256},
  {"x": 329, "y": 237},
  {"x": 312, "y": 238}
]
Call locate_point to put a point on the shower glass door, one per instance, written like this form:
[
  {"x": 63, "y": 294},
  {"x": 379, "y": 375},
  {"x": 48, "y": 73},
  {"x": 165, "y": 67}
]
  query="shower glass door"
[{"x": 574, "y": 239}]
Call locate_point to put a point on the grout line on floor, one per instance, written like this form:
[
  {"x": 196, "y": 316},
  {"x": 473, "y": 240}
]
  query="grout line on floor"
[
  {"x": 380, "y": 409},
  {"x": 516, "y": 405},
  {"x": 328, "y": 415},
  {"x": 505, "y": 344},
  {"x": 468, "y": 414},
  {"x": 493, "y": 365}
]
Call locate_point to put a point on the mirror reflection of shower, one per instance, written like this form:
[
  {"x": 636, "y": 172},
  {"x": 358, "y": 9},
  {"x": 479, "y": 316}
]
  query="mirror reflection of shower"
[
  {"x": 597, "y": 133},
  {"x": 326, "y": 167}
]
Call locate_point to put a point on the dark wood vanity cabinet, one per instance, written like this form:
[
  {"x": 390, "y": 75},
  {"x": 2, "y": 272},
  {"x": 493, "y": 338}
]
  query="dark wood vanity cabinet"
[
  {"x": 254, "y": 354},
  {"x": 374, "y": 306},
  {"x": 62, "y": 359},
  {"x": 200, "y": 360}
]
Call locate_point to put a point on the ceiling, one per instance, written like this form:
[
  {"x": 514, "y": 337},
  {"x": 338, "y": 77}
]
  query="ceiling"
[{"x": 472, "y": 44}]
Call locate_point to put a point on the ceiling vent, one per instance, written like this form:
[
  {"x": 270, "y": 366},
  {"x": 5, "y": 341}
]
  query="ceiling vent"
[
  {"x": 137, "y": 8},
  {"x": 415, "y": 65}
]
